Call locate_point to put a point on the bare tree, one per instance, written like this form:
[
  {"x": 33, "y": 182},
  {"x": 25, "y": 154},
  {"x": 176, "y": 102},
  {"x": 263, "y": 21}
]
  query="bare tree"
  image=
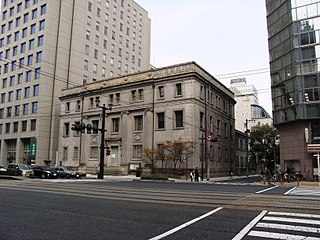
[{"x": 175, "y": 149}]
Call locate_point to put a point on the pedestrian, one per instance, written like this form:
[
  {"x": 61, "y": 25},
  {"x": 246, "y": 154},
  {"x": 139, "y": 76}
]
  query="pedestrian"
[
  {"x": 196, "y": 175},
  {"x": 191, "y": 175},
  {"x": 231, "y": 173}
]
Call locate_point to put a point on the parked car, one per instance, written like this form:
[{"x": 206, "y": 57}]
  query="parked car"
[
  {"x": 65, "y": 172},
  {"x": 17, "y": 169},
  {"x": 3, "y": 170},
  {"x": 43, "y": 172}
]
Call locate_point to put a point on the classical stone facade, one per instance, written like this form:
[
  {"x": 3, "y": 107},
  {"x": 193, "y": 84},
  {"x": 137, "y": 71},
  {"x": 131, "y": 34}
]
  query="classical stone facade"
[{"x": 178, "y": 103}]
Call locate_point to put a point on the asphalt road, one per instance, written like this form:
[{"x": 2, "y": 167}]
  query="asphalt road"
[{"x": 37, "y": 209}]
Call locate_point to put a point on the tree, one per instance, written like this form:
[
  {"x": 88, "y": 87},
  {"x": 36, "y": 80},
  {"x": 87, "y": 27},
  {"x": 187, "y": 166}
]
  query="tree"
[
  {"x": 151, "y": 154},
  {"x": 175, "y": 149},
  {"x": 263, "y": 145}
]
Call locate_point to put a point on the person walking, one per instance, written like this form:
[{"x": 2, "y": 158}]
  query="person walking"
[
  {"x": 196, "y": 175},
  {"x": 231, "y": 173},
  {"x": 191, "y": 175}
]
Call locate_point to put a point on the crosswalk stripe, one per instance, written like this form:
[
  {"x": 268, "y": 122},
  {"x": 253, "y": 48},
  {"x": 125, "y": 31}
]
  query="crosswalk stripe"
[
  {"x": 271, "y": 235},
  {"x": 288, "y": 227},
  {"x": 294, "y": 214},
  {"x": 291, "y": 220}
]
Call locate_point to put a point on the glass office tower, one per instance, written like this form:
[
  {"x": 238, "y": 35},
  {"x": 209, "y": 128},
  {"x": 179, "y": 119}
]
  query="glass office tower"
[{"x": 294, "y": 49}]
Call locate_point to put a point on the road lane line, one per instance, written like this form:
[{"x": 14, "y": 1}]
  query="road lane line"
[
  {"x": 287, "y": 192},
  {"x": 264, "y": 190},
  {"x": 185, "y": 224},
  {"x": 271, "y": 235},
  {"x": 289, "y": 227},
  {"x": 247, "y": 228}
]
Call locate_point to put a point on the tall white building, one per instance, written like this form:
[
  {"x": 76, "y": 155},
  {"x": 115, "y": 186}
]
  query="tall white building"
[
  {"x": 47, "y": 46},
  {"x": 247, "y": 109}
]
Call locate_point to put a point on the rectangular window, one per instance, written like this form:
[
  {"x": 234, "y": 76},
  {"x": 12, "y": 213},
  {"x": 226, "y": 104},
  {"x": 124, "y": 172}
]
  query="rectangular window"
[
  {"x": 65, "y": 154},
  {"x": 25, "y": 109},
  {"x": 178, "y": 119},
  {"x": 17, "y": 110},
  {"x": 34, "y": 107},
  {"x": 33, "y": 124},
  {"x": 94, "y": 152},
  {"x": 15, "y": 126},
  {"x": 137, "y": 151},
  {"x": 7, "y": 128},
  {"x": 178, "y": 89},
  {"x": 18, "y": 94},
  {"x": 41, "y": 25},
  {"x": 27, "y": 92},
  {"x": 160, "y": 120},
  {"x": 40, "y": 41},
  {"x": 161, "y": 91},
  {"x": 95, "y": 124},
  {"x": 115, "y": 125},
  {"x": 66, "y": 130},
  {"x": 24, "y": 126},
  {"x": 31, "y": 44},
  {"x": 9, "y": 111},
  {"x": 138, "y": 123},
  {"x": 37, "y": 73},
  {"x": 75, "y": 153}
]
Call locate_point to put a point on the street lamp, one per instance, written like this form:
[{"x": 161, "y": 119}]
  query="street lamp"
[{"x": 102, "y": 130}]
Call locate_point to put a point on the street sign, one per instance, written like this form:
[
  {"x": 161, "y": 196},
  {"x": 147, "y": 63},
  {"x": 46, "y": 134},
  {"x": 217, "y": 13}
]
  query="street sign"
[
  {"x": 209, "y": 137},
  {"x": 33, "y": 148}
]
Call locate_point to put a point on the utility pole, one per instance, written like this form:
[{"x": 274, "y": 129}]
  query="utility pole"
[
  {"x": 102, "y": 130},
  {"x": 247, "y": 144}
]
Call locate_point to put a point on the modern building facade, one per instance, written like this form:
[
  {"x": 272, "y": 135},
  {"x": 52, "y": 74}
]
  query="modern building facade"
[
  {"x": 46, "y": 46},
  {"x": 177, "y": 103},
  {"x": 293, "y": 27},
  {"x": 247, "y": 110}
]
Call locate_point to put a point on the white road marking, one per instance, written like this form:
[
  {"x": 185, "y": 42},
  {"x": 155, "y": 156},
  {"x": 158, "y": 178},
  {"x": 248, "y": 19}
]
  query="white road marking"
[
  {"x": 264, "y": 190},
  {"x": 271, "y": 235},
  {"x": 288, "y": 227},
  {"x": 294, "y": 214},
  {"x": 292, "y": 220},
  {"x": 247, "y": 228},
  {"x": 287, "y": 192},
  {"x": 185, "y": 225}
]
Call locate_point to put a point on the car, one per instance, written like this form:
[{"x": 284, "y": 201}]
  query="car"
[
  {"x": 17, "y": 169},
  {"x": 43, "y": 172},
  {"x": 65, "y": 172},
  {"x": 3, "y": 170}
]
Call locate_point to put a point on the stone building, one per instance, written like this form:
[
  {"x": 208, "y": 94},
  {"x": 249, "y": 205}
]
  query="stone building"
[{"x": 177, "y": 103}]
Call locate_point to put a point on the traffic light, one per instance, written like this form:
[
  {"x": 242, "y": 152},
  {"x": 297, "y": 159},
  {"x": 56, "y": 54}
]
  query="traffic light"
[
  {"x": 215, "y": 139},
  {"x": 108, "y": 151},
  {"x": 89, "y": 128},
  {"x": 76, "y": 127}
]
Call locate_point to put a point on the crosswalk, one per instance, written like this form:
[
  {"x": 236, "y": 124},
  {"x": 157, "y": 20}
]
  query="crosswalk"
[
  {"x": 305, "y": 192},
  {"x": 281, "y": 225}
]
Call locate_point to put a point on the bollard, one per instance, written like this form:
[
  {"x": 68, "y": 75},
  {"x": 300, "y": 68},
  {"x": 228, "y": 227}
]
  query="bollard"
[{"x": 298, "y": 182}]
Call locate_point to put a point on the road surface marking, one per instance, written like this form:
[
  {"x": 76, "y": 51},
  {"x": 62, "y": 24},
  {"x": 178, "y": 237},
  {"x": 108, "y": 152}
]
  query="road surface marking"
[
  {"x": 185, "y": 225},
  {"x": 288, "y": 192},
  {"x": 271, "y": 235},
  {"x": 292, "y": 220},
  {"x": 264, "y": 190},
  {"x": 294, "y": 214},
  {"x": 289, "y": 227},
  {"x": 247, "y": 228}
]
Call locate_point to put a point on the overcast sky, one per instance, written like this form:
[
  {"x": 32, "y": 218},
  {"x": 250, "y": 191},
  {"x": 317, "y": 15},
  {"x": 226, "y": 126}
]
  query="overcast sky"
[{"x": 223, "y": 37}]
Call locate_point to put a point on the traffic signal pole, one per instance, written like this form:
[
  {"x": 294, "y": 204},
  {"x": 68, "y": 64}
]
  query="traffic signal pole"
[{"x": 103, "y": 125}]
